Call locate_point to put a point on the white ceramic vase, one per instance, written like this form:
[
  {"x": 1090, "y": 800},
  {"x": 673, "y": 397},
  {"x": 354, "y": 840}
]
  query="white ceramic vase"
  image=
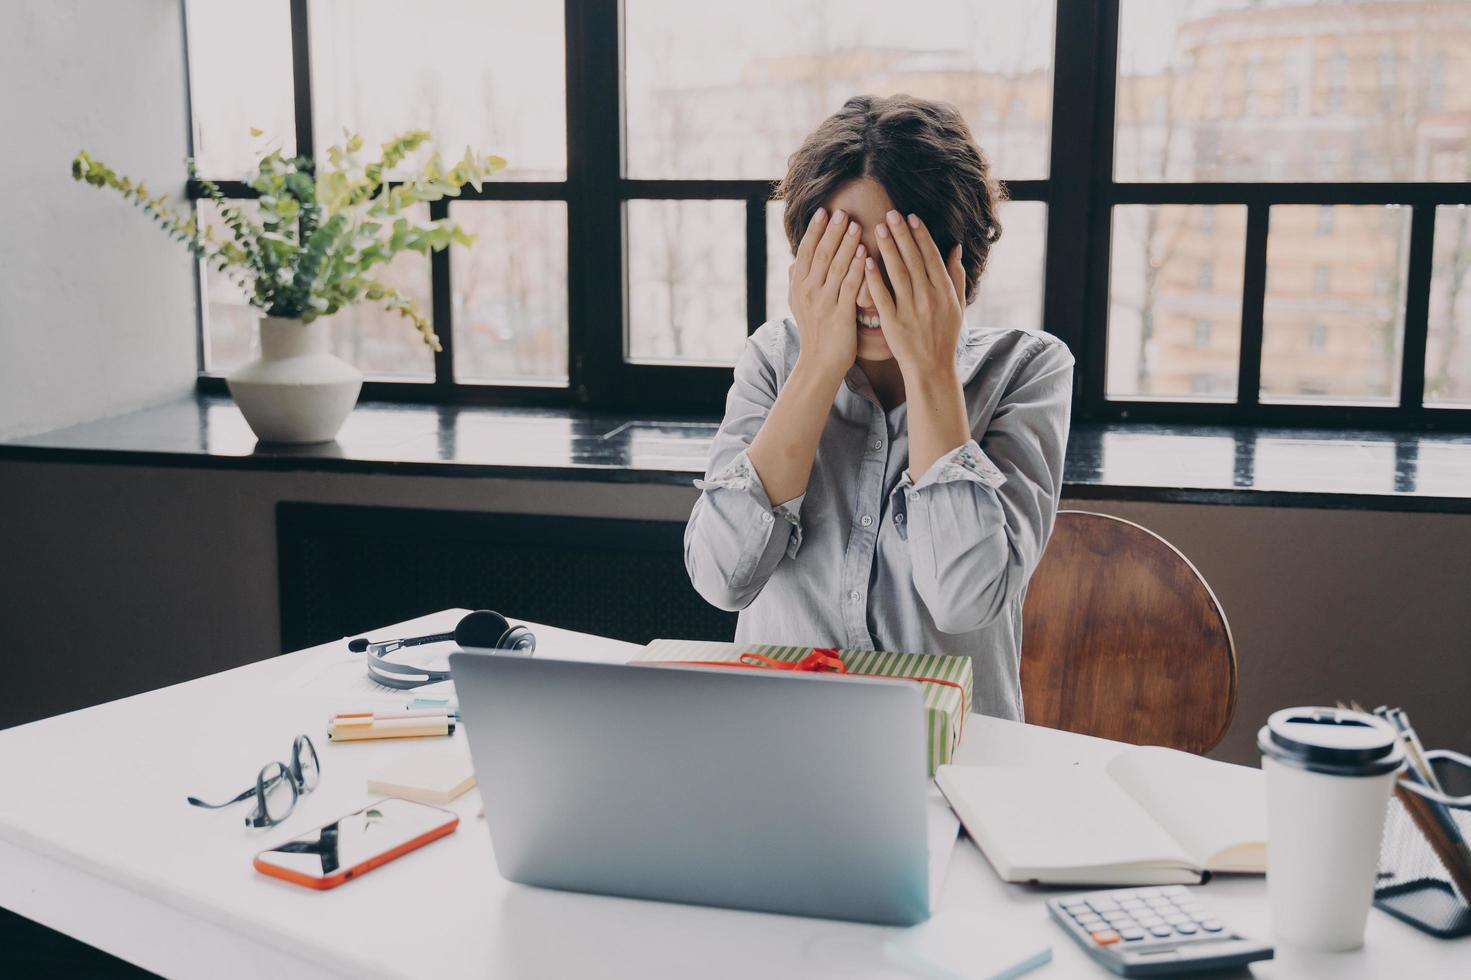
[{"x": 297, "y": 391}]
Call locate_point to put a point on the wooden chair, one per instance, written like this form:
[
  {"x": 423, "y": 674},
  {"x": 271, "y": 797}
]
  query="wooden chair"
[{"x": 1122, "y": 638}]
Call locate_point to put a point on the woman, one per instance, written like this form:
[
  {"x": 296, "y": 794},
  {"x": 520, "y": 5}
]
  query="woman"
[{"x": 883, "y": 480}]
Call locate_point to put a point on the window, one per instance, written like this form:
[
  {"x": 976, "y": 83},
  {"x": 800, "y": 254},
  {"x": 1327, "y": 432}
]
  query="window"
[
  {"x": 728, "y": 91},
  {"x": 1346, "y": 281},
  {"x": 1359, "y": 334},
  {"x": 1448, "y": 346},
  {"x": 1163, "y": 304},
  {"x": 1318, "y": 338},
  {"x": 1336, "y": 76},
  {"x": 1271, "y": 230}
]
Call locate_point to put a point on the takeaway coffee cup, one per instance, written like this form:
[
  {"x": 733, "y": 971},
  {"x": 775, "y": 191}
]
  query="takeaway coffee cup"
[{"x": 1329, "y": 774}]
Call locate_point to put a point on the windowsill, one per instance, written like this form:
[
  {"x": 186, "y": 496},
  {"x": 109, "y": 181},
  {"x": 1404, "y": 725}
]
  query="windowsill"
[{"x": 1106, "y": 461}]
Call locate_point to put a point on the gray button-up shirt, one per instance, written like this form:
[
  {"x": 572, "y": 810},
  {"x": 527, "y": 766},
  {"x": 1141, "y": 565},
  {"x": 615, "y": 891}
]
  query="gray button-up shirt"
[{"x": 868, "y": 558}]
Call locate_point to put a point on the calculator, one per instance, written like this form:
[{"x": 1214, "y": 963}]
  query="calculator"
[{"x": 1146, "y": 932}]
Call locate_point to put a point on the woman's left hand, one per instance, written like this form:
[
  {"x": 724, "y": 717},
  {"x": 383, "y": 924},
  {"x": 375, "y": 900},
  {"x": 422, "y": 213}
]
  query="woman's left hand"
[{"x": 921, "y": 319}]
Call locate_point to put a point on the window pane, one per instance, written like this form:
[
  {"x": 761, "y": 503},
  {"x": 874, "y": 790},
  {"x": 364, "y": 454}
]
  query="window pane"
[
  {"x": 730, "y": 90},
  {"x": 778, "y": 261},
  {"x": 380, "y": 343},
  {"x": 1334, "y": 315},
  {"x": 510, "y": 292},
  {"x": 1010, "y": 290},
  {"x": 1174, "y": 314},
  {"x": 230, "y": 337},
  {"x": 239, "y": 78},
  {"x": 482, "y": 73},
  {"x": 1286, "y": 90},
  {"x": 1448, "y": 346},
  {"x": 686, "y": 281}
]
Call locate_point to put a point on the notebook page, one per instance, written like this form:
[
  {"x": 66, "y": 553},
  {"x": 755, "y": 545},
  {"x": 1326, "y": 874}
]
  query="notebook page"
[
  {"x": 1217, "y": 811},
  {"x": 1053, "y": 822}
]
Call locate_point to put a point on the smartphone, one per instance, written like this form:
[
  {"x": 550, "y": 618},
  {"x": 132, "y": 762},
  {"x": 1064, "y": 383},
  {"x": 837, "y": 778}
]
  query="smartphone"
[{"x": 357, "y": 843}]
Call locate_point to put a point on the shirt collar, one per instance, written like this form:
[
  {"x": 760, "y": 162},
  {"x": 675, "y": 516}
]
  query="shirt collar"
[{"x": 969, "y": 354}]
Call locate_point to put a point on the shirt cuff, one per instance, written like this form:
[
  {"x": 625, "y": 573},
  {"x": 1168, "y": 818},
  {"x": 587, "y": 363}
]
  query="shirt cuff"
[
  {"x": 791, "y": 512},
  {"x": 741, "y": 476},
  {"x": 965, "y": 462}
]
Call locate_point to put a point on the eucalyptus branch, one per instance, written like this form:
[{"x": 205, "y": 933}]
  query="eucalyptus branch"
[
  {"x": 98, "y": 174},
  {"x": 396, "y": 302},
  {"x": 321, "y": 231}
]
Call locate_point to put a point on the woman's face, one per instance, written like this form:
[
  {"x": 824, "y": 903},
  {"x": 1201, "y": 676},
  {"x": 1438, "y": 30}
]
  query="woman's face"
[{"x": 865, "y": 201}]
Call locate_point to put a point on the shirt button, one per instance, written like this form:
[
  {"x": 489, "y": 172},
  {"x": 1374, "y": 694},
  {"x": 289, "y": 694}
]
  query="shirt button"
[
  {"x": 878, "y": 444},
  {"x": 866, "y": 521},
  {"x": 767, "y": 518},
  {"x": 912, "y": 494},
  {"x": 855, "y": 595},
  {"x": 898, "y": 518}
]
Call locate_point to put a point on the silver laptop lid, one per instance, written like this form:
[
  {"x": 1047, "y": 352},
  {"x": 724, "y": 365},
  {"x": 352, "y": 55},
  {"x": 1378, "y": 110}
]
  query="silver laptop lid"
[{"x": 738, "y": 788}]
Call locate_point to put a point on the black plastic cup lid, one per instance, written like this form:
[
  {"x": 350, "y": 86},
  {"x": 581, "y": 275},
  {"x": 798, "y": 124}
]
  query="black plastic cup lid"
[{"x": 1335, "y": 741}]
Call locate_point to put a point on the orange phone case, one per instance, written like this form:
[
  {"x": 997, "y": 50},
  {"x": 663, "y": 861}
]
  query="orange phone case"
[{"x": 338, "y": 877}]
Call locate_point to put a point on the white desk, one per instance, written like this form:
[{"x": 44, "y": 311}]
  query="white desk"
[{"x": 97, "y": 842}]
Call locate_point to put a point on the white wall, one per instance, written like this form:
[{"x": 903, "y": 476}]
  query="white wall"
[{"x": 97, "y": 306}]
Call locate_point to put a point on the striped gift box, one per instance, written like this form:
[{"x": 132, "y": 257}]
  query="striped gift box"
[{"x": 945, "y": 704}]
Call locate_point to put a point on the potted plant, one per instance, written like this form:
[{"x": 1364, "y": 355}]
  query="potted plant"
[{"x": 308, "y": 250}]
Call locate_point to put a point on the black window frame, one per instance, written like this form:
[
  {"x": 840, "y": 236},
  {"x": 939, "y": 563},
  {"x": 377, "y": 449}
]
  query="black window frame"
[{"x": 1080, "y": 193}]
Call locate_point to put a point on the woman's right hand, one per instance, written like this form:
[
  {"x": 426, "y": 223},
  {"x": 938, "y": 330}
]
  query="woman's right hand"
[{"x": 823, "y": 285}]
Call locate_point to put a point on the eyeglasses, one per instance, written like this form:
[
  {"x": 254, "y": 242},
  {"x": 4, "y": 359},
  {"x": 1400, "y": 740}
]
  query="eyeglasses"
[{"x": 277, "y": 786}]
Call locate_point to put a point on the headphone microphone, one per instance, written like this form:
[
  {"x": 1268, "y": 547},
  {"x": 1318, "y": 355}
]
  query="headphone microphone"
[{"x": 482, "y": 630}]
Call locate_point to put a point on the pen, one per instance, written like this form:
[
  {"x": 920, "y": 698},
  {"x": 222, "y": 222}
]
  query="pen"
[
  {"x": 1452, "y": 848},
  {"x": 352, "y": 728},
  {"x": 1401, "y": 721},
  {"x": 444, "y": 705},
  {"x": 407, "y": 713}
]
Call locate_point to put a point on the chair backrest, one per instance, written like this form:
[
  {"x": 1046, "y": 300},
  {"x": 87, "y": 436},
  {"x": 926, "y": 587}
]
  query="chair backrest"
[{"x": 1122, "y": 638}]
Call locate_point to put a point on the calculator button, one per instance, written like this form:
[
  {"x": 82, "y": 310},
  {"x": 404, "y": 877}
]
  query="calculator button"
[
  {"x": 1076, "y": 903},
  {"x": 1130, "y": 903},
  {"x": 1158, "y": 901},
  {"x": 1176, "y": 919},
  {"x": 1103, "y": 904},
  {"x": 1161, "y": 931},
  {"x": 1105, "y": 937},
  {"x": 1186, "y": 929},
  {"x": 1211, "y": 925},
  {"x": 1093, "y": 923},
  {"x": 1131, "y": 935},
  {"x": 1150, "y": 921},
  {"x": 1176, "y": 890}
]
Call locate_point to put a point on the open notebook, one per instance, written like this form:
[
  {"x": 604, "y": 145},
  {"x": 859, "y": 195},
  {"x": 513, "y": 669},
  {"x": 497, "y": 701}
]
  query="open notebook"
[{"x": 1152, "y": 816}]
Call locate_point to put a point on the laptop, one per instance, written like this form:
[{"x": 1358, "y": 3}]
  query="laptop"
[{"x": 803, "y": 795}]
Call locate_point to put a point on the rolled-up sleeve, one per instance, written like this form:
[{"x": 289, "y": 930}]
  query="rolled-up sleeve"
[
  {"x": 736, "y": 537},
  {"x": 978, "y": 519}
]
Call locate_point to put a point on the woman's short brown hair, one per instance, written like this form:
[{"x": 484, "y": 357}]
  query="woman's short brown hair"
[{"x": 924, "y": 156}]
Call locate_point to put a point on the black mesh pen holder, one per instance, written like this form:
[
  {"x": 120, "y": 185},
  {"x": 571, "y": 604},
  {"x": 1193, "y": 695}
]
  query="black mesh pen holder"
[{"x": 1414, "y": 884}]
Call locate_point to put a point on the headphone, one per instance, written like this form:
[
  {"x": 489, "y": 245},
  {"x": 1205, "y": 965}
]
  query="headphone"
[{"x": 479, "y": 630}]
